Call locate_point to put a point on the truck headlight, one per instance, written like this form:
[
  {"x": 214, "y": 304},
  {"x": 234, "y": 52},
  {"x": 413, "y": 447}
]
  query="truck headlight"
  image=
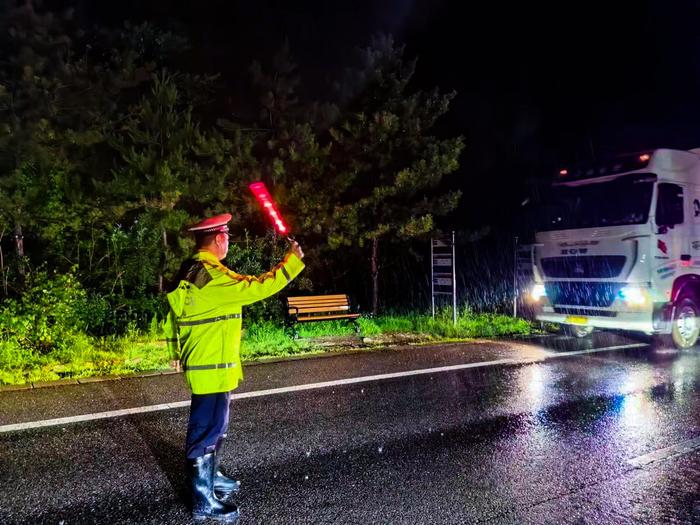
[
  {"x": 633, "y": 295},
  {"x": 538, "y": 292}
]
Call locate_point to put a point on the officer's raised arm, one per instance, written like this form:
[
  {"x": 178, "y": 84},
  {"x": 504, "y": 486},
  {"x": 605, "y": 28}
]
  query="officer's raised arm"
[{"x": 247, "y": 289}]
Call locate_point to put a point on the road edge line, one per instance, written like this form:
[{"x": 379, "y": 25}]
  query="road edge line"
[{"x": 15, "y": 427}]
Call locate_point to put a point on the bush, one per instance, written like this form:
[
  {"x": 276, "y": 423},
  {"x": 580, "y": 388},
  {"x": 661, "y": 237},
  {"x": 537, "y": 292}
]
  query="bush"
[
  {"x": 48, "y": 312},
  {"x": 111, "y": 314},
  {"x": 13, "y": 357}
]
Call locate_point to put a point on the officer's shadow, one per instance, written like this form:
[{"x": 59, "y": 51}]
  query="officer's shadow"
[{"x": 168, "y": 453}]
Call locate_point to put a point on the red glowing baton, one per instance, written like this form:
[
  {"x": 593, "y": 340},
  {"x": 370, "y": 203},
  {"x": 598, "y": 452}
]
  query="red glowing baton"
[{"x": 265, "y": 200}]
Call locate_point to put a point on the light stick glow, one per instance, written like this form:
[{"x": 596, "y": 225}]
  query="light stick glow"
[{"x": 265, "y": 200}]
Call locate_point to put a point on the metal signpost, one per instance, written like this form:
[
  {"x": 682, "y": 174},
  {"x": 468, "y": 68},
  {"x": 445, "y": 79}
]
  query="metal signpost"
[{"x": 443, "y": 280}]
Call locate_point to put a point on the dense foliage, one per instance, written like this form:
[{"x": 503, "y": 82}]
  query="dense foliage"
[{"x": 110, "y": 146}]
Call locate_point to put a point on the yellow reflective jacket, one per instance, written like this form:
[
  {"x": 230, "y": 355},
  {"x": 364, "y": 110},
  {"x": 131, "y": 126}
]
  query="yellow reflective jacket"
[{"x": 203, "y": 328}]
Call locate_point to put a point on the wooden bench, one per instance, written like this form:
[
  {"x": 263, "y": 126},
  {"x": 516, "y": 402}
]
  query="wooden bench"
[{"x": 312, "y": 308}]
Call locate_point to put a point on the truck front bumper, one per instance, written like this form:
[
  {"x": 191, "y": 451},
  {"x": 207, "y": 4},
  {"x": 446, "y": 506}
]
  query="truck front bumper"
[{"x": 645, "y": 321}]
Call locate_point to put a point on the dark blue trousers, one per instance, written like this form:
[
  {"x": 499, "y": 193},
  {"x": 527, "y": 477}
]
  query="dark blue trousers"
[{"x": 208, "y": 423}]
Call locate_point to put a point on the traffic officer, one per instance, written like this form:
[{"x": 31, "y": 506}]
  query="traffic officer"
[{"x": 203, "y": 330}]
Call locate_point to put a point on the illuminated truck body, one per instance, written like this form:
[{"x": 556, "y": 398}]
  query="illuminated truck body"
[{"x": 619, "y": 247}]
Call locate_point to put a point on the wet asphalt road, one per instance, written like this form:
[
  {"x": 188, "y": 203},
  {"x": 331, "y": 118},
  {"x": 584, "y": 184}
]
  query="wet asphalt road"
[{"x": 608, "y": 437}]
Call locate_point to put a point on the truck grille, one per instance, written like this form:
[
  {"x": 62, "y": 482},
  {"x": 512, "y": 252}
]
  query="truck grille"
[
  {"x": 585, "y": 311},
  {"x": 574, "y": 293},
  {"x": 584, "y": 267}
]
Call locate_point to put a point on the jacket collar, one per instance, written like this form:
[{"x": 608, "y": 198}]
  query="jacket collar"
[{"x": 206, "y": 255}]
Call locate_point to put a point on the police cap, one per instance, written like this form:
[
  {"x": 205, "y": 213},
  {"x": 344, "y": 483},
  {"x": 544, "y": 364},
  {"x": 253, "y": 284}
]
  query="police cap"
[{"x": 218, "y": 223}]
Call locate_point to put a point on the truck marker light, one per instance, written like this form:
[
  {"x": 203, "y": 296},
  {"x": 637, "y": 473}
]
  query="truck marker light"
[
  {"x": 661, "y": 245},
  {"x": 265, "y": 200},
  {"x": 563, "y": 173},
  {"x": 633, "y": 295},
  {"x": 644, "y": 157}
]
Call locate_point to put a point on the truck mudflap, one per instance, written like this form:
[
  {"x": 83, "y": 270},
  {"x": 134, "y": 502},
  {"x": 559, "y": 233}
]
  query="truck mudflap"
[{"x": 662, "y": 317}]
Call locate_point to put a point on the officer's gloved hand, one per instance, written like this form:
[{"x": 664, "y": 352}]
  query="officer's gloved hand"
[{"x": 295, "y": 248}]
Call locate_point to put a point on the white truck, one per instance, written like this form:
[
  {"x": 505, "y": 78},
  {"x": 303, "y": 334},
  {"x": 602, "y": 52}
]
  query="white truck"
[{"x": 619, "y": 247}]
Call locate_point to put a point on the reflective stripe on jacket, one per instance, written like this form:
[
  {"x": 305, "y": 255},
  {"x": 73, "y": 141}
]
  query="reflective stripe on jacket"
[{"x": 203, "y": 327}]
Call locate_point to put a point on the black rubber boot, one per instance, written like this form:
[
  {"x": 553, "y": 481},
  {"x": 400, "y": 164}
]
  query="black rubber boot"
[
  {"x": 223, "y": 485},
  {"x": 204, "y": 502}
]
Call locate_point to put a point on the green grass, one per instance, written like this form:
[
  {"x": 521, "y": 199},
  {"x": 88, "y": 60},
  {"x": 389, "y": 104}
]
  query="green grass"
[{"x": 84, "y": 356}]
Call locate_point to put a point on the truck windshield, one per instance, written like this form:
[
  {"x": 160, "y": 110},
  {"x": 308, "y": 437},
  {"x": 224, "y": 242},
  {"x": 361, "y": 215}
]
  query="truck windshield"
[{"x": 623, "y": 200}]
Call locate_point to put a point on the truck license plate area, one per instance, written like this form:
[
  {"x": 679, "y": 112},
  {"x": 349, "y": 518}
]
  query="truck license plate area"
[{"x": 577, "y": 319}]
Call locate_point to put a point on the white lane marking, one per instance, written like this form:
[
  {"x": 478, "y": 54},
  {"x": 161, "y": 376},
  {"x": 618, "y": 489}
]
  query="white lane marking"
[
  {"x": 310, "y": 386},
  {"x": 594, "y": 350},
  {"x": 91, "y": 417},
  {"x": 684, "y": 447}
]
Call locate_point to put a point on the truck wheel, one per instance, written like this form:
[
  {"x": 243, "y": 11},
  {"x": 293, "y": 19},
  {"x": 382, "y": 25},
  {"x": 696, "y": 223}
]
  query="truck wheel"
[
  {"x": 577, "y": 331},
  {"x": 686, "y": 324}
]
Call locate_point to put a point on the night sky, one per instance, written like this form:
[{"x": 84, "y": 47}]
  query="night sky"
[{"x": 539, "y": 86}]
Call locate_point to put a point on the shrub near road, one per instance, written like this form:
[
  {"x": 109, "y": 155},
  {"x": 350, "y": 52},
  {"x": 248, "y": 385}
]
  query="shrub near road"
[{"x": 50, "y": 334}]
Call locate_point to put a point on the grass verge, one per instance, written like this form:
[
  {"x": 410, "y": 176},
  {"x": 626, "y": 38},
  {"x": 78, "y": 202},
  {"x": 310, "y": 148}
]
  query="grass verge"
[{"x": 85, "y": 356}]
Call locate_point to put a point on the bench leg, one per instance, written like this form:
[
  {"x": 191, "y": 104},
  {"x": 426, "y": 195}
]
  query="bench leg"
[
  {"x": 356, "y": 325},
  {"x": 291, "y": 330}
]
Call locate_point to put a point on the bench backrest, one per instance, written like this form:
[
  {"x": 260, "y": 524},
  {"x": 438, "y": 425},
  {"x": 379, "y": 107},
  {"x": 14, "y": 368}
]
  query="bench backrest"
[{"x": 309, "y": 304}]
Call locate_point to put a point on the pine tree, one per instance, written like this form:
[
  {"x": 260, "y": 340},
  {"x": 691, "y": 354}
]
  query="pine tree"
[
  {"x": 390, "y": 163},
  {"x": 169, "y": 170},
  {"x": 289, "y": 154},
  {"x": 35, "y": 51},
  {"x": 61, "y": 91}
]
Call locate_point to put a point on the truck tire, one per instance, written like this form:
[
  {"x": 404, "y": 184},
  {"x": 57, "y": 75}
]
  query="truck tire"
[
  {"x": 577, "y": 331},
  {"x": 686, "y": 323}
]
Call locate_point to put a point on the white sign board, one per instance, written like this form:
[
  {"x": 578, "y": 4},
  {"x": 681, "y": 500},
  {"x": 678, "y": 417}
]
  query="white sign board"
[{"x": 442, "y": 271}]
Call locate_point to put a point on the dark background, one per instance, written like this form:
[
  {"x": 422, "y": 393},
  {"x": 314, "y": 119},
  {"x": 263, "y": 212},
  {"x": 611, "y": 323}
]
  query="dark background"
[{"x": 539, "y": 85}]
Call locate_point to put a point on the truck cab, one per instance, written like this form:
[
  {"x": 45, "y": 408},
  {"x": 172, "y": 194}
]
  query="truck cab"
[{"x": 618, "y": 247}]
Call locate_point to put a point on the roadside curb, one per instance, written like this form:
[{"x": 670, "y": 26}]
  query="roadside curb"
[{"x": 85, "y": 380}]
